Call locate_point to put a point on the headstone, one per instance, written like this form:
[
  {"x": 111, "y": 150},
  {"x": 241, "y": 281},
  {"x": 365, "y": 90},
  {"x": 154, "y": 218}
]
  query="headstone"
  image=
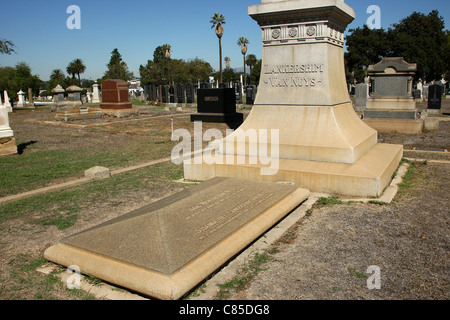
[
  {"x": 164, "y": 94},
  {"x": 205, "y": 85},
  {"x": 7, "y": 141},
  {"x": 391, "y": 106},
  {"x": 7, "y": 103},
  {"x": 73, "y": 100},
  {"x": 30, "y": 98},
  {"x": 181, "y": 94},
  {"x": 115, "y": 95},
  {"x": 361, "y": 96},
  {"x": 238, "y": 92},
  {"x": 165, "y": 249},
  {"x": 435, "y": 97},
  {"x": 96, "y": 93},
  {"x": 190, "y": 94},
  {"x": 250, "y": 94},
  {"x": 21, "y": 96},
  {"x": 319, "y": 140},
  {"x": 217, "y": 105},
  {"x": 172, "y": 94},
  {"x": 58, "y": 98},
  {"x": 417, "y": 94}
]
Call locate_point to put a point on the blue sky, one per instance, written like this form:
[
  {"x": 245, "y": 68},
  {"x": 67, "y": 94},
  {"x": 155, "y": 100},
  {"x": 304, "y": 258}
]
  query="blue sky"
[{"x": 136, "y": 28}]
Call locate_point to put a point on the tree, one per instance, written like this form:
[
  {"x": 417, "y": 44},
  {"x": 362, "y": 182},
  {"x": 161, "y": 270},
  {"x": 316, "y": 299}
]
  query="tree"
[
  {"x": 217, "y": 20},
  {"x": 19, "y": 78},
  {"x": 251, "y": 61},
  {"x": 418, "y": 38},
  {"x": 422, "y": 39},
  {"x": 7, "y": 47},
  {"x": 71, "y": 69},
  {"x": 76, "y": 67},
  {"x": 365, "y": 47},
  {"x": 227, "y": 62},
  {"x": 255, "y": 74},
  {"x": 117, "y": 68},
  {"x": 243, "y": 42}
]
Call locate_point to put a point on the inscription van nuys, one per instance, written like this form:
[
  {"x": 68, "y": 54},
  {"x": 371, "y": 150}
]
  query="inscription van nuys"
[
  {"x": 186, "y": 236},
  {"x": 294, "y": 75}
]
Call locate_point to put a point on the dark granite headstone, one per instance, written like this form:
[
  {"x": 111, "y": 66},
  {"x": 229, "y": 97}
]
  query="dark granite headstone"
[
  {"x": 434, "y": 97},
  {"x": 180, "y": 94},
  {"x": 250, "y": 93},
  {"x": 164, "y": 94},
  {"x": 217, "y": 105},
  {"x": 417, "y": 94},
  {"x": 190, "y": 93},
  {"x": 238, "y": 92},
  {"x": 172, "y": 94}
]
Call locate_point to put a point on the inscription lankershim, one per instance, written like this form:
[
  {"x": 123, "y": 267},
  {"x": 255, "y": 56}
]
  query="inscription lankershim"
[
  {"x": 298, "y": 75},
  {"x": 323, "y": 145}
]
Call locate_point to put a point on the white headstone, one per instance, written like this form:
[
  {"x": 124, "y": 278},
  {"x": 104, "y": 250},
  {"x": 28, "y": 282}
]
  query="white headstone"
[
  {"x": 5, "y": 130},
  {"x": 7, "y": 104},
  {"x": 21, "y": 96},
  {"x": 96, "y": 94}
]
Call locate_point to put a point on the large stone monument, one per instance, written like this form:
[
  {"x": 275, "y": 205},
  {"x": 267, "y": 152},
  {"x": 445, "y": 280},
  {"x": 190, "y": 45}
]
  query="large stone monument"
[
  {"x": 115, "y": 95},
  {"x": 7, "y": 141},
  {"x": 115, "y": 99},
  {"x": 391, "y": 106},
  {"x": 73, "y": 97},
  {"x": 59, "y": 103},
  {"x": 322, "y": 144}
]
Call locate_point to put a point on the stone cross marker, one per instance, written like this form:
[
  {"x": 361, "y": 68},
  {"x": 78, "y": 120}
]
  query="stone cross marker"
[{"x": 323, "y": 145}]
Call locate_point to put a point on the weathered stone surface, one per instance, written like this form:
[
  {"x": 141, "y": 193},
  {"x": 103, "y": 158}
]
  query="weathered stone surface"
[
  {"x": 97, "y": 173},
  {"x": 166, "y": 248}
]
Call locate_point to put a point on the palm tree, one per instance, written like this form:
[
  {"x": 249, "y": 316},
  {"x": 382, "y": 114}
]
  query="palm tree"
[
  {"x": 58, "y": 75},
  {"x": 76, "y": 67},
  {"x": 71, "y": 70},
  {"x": 167, "y": 53},
  {"x": 251, "y": 61},
  {"x": 243, "y": 42},
  {"x": 217, "y": 20},
  {"x": 227, "y": 62}
]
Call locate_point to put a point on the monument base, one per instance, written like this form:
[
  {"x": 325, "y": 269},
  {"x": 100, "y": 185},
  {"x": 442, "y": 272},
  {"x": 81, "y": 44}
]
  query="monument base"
[
  {"x": 121, "y": 113},
  {"x": 165, "y": 249},
  {"x": 78, "y": 114},
  {"x": 367, "y": 177},
  {"x": 8, "y": 146},
  {"x": 407, "y": 126},
  {"x": 391, "y": 103}
]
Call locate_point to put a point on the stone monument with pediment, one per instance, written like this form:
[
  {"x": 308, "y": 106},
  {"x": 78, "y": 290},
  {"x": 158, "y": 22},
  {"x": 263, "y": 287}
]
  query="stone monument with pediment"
[{"x": 322, "y": 144}]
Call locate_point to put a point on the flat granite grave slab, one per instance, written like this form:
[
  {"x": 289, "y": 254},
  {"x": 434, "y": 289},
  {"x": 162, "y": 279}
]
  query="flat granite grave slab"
[{"x": 165, "y": 249}]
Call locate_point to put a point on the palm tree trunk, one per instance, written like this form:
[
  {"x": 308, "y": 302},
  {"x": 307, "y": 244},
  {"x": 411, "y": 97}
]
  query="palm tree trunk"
[
  {"x": 79, "y": 80},
  {"x": 245, "y": 74},
  {"x": 220, "y": 55}
]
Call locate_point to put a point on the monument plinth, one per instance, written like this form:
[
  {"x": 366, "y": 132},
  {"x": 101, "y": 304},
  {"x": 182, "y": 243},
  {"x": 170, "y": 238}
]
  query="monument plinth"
[
  {"x": 391, "y": 106},
  {"x": 323, "y": 145}
]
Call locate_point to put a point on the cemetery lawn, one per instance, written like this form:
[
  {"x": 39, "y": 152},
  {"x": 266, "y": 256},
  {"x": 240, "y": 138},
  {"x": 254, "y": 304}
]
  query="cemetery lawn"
[{"x": 408, "y": 238}]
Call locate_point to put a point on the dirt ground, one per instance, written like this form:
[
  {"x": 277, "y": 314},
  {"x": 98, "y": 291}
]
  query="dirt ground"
[{"x": 408, "y": 239}]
